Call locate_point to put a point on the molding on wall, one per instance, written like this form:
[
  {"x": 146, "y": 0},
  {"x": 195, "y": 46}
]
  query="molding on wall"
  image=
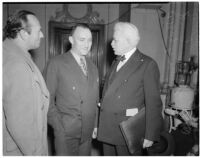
[
  {"x": 91, "y": 17},
  {"x": 125, "y": 12}
]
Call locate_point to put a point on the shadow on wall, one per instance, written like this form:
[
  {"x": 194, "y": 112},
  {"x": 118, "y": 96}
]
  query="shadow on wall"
[{"x": 110, "y": 54}]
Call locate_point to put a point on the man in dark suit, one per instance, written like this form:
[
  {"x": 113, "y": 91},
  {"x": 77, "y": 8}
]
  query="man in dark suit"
[
  {"x": 73, "y": 82},
  {"x": 133, "y": 83}
]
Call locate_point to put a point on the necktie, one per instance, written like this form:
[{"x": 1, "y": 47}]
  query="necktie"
[
  {"x": 83, "y": 66},
  {"x": 120, "y": 62},
  {"x": 117, "y": 60},
  {"x": 121, "y": 58}
]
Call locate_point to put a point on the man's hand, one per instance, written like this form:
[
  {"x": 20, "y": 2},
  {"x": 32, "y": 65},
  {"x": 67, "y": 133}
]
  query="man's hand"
[
  {"x": 147, "y": 143},
  {"x": 94, "y": 134}
]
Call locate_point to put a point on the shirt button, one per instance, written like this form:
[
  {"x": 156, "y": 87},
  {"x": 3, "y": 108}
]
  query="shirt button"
[
  {"x": 119, "y": 96},
  {"x": 73, "y": 88}
]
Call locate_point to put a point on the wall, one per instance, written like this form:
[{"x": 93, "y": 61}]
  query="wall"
[
  {"x": 191, "y": 41},
  {"x": 151, "y": 43},
  {"x": 5, "y": 14}
]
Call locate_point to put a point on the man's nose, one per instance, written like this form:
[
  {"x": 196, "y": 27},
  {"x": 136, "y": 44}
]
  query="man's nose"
[
  {"x": 112, "y": 43},
  {"x": 41, "y": 35}
]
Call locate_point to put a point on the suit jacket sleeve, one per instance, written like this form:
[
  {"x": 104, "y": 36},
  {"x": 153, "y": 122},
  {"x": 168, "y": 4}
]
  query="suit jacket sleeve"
[
  {"x": 20, "y": 113},
  {"x": 51, "y": 81},
  {"x": 152, "y": 101}
]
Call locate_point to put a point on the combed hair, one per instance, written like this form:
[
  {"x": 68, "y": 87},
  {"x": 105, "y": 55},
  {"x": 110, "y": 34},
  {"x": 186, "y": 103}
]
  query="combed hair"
[
  {"x": 82, "y": 25},
  {"x": 17, "y": 22},
  {"x": 130, "y": 32}
]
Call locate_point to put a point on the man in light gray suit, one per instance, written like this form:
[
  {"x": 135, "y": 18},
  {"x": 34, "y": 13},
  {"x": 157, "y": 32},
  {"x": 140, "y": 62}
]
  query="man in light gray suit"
[
  {"x": 73, "y": 82},
  {"x": 25, "y": 96}
]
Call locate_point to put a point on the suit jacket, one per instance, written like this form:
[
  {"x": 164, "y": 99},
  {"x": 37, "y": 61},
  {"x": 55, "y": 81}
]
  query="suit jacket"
[
  {"x": 25, "y": 104},
  {"x": 74, "y": 97},
  {"x": 135, "y": 85}
]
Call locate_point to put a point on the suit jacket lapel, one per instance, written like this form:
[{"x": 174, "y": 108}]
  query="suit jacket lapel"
[
  {"x": 27, "y": 58},
  {"x": 77, "y": 75},
  {"x": 109, "y": 76},
  {"x": 123, "y": 74},
  {"x": 74, "y": 71},
  {"x": 89, "y": 79}
]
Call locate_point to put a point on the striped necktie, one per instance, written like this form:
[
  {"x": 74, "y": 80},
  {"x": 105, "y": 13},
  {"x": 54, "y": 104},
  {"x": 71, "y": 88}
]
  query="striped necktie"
[
  {"x": 83, "y": 65},
  {"x": 117, "y": 60}
]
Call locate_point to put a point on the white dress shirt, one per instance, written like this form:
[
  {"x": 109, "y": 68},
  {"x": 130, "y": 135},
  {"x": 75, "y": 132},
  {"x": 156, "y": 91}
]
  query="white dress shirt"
[
  {"x": 127, "y": 56},
  {"x": 78, "y": 60}
]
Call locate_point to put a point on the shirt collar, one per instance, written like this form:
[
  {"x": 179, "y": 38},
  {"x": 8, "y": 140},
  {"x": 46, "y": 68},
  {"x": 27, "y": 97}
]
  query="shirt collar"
[
  {"x": 129, "y": 53},
  {"x": 77, "y": 57}
]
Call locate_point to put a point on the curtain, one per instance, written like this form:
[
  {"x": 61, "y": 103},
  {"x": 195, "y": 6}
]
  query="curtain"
[{"x": 174, "y": 38}]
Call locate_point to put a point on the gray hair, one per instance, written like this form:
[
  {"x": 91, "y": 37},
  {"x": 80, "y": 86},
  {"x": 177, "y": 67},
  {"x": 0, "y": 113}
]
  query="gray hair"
[{"x": 129, "y": 31}]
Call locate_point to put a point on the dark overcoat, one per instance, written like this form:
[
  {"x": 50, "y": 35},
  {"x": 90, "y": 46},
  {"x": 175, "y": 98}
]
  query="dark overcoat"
[{"x": 135, "y": 85}]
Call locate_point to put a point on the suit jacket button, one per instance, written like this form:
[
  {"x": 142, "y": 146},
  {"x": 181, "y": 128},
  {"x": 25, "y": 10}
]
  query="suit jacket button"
[
  {"x": 81, "y": 101},
  {"x": 99, "y": 104}
]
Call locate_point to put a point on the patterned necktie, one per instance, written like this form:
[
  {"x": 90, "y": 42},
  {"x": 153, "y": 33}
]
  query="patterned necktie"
[
  {"x": 83, "y": 66},
  {"x": 120, "y": 60},
  {"x": 117, "y": 60}
]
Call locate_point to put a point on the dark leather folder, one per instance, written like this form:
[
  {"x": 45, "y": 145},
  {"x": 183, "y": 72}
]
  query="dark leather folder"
[{"x": 133, "y": 131}]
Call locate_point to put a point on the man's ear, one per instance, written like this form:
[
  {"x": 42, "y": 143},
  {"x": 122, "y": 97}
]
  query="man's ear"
[
  {"x": 71, "y": 39},
  {"x": 23, "y": 34}
]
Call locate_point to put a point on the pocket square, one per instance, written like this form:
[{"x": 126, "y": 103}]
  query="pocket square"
[{"x": 131, "y": 112}]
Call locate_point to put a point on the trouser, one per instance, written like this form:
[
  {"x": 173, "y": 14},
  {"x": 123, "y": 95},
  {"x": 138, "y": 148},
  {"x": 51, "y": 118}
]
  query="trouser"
[
  {"x": 117, "y": 150},
  {"x": 68, "y": 146}
]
